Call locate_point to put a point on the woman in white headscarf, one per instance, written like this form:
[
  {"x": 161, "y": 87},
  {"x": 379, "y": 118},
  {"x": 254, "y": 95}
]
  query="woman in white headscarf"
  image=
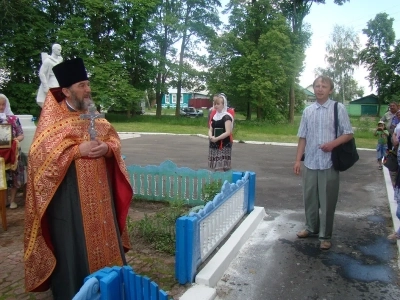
[
  {"x": 220, "y": 135},
  {"x": 7, "y": 110}
]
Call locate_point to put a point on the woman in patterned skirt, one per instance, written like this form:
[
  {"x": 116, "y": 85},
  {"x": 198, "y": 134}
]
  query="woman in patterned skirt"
[{"x": 220, "y": 135}]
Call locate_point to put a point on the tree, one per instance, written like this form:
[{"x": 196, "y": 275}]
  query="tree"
[
  {"x": 118, "y": 92},
  {"x": 342, "y": 56},
  {"x": 4, "y": 77},
  {"x": 295, "y": 11},
  {"x": 132, "y": 38},
  {"x": 251, "y": 61},
  {"x": 381, "y": 56},
  {"x": 165, "y": 34},
  {"x": 199, "y": 20},
  {"x": 24, "y": 31}
]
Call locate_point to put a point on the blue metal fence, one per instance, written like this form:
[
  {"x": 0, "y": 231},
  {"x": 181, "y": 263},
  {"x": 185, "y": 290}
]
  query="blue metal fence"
[
  {"x": 196, "y": 236},
  {"x": 119, "y": 283}
]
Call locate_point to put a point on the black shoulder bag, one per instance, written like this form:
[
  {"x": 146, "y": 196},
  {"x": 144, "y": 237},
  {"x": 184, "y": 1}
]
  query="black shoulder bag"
[
  {"x": 390, "y": 161},
  {"x": 345, "y": 155}
]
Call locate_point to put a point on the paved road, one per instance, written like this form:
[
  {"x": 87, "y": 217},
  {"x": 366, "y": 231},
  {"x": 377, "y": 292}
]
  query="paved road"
[{"x": 274, "y": 263}]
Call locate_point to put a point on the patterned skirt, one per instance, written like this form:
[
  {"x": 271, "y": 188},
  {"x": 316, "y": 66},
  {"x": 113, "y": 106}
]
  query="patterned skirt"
[
  {"x": 16, "y": 178},
  {"x": 220, "y": 159}
]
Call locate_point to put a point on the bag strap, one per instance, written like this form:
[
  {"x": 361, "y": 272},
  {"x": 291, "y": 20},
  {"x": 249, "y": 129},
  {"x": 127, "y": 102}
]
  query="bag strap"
[{"x": 335, "y": 114}]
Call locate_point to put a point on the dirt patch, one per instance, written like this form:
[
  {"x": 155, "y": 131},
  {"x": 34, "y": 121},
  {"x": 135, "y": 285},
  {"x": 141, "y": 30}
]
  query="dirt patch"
[{"x": 145, "y": 260}]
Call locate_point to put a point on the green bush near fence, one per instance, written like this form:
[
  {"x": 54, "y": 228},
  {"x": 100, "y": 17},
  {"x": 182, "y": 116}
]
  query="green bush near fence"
[
  {"x": 210, "y": 190},
  {"x": 158, "y": 230}
]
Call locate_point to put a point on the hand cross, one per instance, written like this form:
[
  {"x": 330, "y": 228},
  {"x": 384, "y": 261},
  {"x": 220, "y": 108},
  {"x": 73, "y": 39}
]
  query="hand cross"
[{"x": 92, "y": 116}]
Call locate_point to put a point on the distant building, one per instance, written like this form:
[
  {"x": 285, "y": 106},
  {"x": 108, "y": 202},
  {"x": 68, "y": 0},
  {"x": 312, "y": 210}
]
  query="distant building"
[
  {"x": 309, "y": 91},
  {"x": 366, "y": 106},
  {"x": 169, "y": 99}
]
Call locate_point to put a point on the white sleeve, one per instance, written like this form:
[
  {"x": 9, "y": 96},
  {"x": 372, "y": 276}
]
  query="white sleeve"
[{"x": 397, "y": 129}]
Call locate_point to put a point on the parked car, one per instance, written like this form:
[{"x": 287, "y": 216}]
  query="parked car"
[
  {"x": 191, "y": 112},
  {"x": 138, "y": 111}
]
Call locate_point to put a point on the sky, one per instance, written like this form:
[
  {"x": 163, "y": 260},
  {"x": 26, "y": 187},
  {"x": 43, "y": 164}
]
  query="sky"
[{"x": 354, "y": 14}]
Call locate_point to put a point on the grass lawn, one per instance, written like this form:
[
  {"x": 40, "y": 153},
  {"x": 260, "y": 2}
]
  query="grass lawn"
[{"x": 243, "y": 130}]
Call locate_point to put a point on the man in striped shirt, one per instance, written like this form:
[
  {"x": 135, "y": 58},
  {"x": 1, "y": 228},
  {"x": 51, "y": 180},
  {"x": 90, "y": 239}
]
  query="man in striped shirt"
[{"x": 320, "y": 180}]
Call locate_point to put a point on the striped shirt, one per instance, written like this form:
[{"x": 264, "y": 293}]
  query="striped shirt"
[{"x": 317, "y": 126}]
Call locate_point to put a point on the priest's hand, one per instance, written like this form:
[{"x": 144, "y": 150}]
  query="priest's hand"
[
  {"x": 93, "y": 149},
  {"x": 99, "y": 150}
]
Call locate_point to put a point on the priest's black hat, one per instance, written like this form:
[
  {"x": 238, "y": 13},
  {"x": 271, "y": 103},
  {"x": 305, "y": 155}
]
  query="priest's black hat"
[{"x": 69, "y": 72}]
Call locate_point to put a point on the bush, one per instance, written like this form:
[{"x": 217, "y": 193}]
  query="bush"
[
  {"x": 158, "y": 230},
  {"x": 210, "y": 190}
]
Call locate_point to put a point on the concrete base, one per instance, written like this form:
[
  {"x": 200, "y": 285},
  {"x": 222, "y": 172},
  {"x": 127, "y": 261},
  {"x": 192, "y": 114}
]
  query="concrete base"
[
  {"x": 392, "y": 205},
  {"x": 199, "y": 292}
]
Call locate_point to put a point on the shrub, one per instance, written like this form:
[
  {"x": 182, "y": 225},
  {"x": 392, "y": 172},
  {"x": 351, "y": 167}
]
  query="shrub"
[
  {"x": 158, "y": 230},
  {"x": 210, "y": 190}
]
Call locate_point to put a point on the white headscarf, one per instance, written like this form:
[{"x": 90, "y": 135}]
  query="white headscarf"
[
  {"x": 7, "y": 110},
  {"x": 219, "y": 115}
]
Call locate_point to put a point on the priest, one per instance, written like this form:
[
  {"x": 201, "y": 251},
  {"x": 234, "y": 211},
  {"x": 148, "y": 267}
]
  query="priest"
[{"x": 78, "y": 191}]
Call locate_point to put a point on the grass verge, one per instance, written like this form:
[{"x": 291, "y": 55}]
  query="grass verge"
[{"x": 243, "y": 130}]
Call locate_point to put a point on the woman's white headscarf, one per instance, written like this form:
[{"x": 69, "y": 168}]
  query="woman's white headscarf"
[
  {"x": 7, "y": 110},
  {"x": 219, "y": 115}
]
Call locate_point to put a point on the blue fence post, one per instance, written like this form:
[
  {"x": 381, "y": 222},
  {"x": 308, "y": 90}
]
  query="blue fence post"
[
  {"x": 252, "y": 191},
  {"x": 139, "y": 287},
  {"x": 110, "y": 287},
  {"x": 192, "y": 239},
  {"x": 129, "y": 282},
  {"x": 162, "y": 295},
  {"x": 236, "y": 176},
  {"x": 146, "y": 287},
  {"x": 185, "y": 254},
  {"x": 180, "y": 260},
  {"x": 154, "y": 291}
]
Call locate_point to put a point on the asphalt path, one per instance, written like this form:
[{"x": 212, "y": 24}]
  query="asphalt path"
[{"x": 274, "y": 263}]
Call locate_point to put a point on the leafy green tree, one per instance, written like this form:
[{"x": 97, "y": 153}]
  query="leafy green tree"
[
  {"x": 199, "y": 19},
  {"x": 250, "y": 62},
  {"x": 118, "y": 92},
  {"x": 342, "y": 57},
  {"x": 133, "y": 42},
  {"x": 295, "y": 11},
  {"x": 381, "y": 55},
  {"x": 102, "y": 34},
  {"x": 164, "y": 35},
  {"x": 24, "y": 29},
  {"x": 394, "y": 88}
]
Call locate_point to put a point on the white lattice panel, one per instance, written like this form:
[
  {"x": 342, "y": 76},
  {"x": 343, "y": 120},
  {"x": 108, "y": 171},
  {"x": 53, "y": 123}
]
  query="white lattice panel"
[{"x": 216, "y": 226}]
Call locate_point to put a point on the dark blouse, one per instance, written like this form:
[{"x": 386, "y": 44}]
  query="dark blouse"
[{"x": 221, "y": 124}]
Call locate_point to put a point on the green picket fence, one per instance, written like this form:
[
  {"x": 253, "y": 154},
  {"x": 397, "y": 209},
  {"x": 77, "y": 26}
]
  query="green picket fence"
[{"x": 167, "y": 182}]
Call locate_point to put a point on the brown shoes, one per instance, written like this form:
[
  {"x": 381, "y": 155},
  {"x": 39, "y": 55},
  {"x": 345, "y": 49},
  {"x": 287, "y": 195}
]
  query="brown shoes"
[
  {"x": 325, "y": 245},
  {"x": 304, "y": 234}
]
